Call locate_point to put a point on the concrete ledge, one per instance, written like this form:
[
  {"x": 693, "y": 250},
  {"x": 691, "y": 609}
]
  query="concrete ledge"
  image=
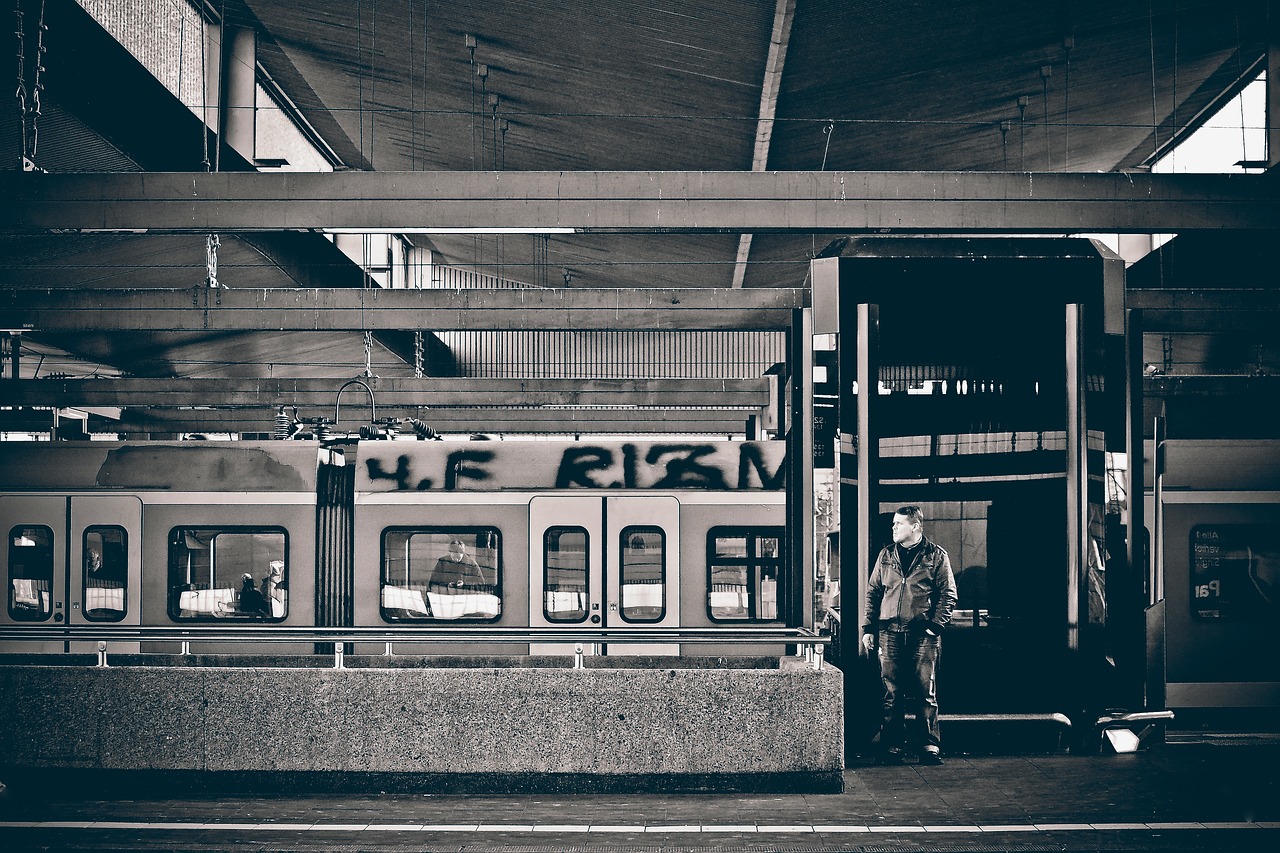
[
  {"x": 39, "y": 785},
  {"x": 517, "y": 728}
]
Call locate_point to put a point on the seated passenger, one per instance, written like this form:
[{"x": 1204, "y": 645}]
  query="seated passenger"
[
  {"x": 271, "y": 589},
  {"x": 457, "y": 568},
  {"x": 252, "y": 602}
]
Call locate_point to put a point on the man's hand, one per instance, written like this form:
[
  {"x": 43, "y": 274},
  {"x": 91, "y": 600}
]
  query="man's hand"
[{"x": 868, "y": 643}]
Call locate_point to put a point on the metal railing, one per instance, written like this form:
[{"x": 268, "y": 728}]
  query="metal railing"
[{"x": 809, "y": 645}]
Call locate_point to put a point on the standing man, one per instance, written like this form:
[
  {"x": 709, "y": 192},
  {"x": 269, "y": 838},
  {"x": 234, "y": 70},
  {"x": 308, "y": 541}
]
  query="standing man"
[{"x": 909, "y": 603}]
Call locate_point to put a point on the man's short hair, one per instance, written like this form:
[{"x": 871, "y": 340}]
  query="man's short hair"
[{"x": 912, "y": 513}]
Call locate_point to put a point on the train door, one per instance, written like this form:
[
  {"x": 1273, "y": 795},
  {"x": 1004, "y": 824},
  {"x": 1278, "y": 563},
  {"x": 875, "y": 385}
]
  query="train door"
[
  {"x": 104, "y": 570},
  {"x": 35, "y": 559},
  {"x": 609, "y": 562}
]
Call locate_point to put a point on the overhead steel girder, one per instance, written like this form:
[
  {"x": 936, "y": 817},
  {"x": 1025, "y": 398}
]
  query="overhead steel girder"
[
  {"x": 744, "y": 394},
  {"x": 634, "y": 202},
  {"x": 449, "y": 421},
  {"x": 1255, "y": 387},
  {"x": 337, "y": 309}
]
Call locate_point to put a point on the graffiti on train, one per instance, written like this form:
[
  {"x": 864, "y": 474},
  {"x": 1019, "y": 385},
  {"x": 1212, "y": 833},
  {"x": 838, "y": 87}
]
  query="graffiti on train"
[{"x": 715, "y": 466}]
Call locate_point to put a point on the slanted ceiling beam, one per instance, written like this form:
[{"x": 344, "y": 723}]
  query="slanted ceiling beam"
[
  {"x": 230, "y": 309},
  {"x": 399, "y": 392},
  {"x": 638, "y": 202}
]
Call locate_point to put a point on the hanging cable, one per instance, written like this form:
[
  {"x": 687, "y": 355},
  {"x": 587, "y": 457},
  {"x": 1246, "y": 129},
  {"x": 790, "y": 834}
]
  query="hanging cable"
[
  {"x": 828, "y": 130},
  {"x": 1068, "y": 43},
  {"x": 365, "y": 283},
  {"x": 1151, "y": 46},
  {"x": 373, "y": 83},
  {"x": 28, "y": 97},
  {"x": 1046, "y": 71},
  {"x": 1244, "y": 142},
  {"x": 21, "y": 93},
  {"x": 360, "y": 77},
  {"x": 37, "y": 84}
]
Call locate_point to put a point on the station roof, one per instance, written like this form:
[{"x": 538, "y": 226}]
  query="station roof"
[{"x": 591, "y": 89}]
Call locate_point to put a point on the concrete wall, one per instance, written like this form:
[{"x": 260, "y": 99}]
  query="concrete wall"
[{"x": 784, "y": 722}]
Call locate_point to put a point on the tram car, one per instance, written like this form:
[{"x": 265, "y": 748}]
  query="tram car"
[
  {"x": 1215, "y": 586},
  {"x": 542, "y": 535}
]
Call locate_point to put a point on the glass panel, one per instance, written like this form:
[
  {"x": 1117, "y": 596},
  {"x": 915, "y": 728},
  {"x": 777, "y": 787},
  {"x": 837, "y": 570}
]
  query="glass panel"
[
  {"x": 440, "y": 573},
  {"x": 743, "y": 566},
  {"x": 214, "y": 573},
  {"x": 1235, "y": 572},
  {"x": 106, "y": 574},
  {"x": 643, "y": 574},
  {"x": 565, "y": 579},
  {"x": 30, "y": 573}
]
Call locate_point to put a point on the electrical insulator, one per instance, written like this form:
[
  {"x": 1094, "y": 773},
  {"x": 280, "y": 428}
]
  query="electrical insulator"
[
  {"x": 423, "y": 431},
  {"x": 283, "y": 426}
]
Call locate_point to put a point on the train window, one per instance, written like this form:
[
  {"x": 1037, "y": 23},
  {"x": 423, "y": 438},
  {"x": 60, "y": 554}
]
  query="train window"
[
  {"x": 743, "y": 565},
  {"x": 30, "y": 573},
  {"x": 105, "y": 579},
  {"x": 228, "y": 572},
  {"x": 441, "y": 573},
  {"x": 1235, "y": 571},
  {"x": 564, "y": 581},
  {"x": 642, "y": 574}
]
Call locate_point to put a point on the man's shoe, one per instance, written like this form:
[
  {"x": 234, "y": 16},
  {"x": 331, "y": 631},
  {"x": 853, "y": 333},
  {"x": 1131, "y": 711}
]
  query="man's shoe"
[
  {"x": 890, "y": 758},
  {"x": 931, "y": 757}
]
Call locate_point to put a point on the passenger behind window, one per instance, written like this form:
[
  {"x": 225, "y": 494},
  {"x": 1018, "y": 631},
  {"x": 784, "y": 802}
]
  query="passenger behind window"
[
  {"x": 252, "y": 602},
  {"x": 457, "y": 568},
  {"x": 272, "y": 591}
]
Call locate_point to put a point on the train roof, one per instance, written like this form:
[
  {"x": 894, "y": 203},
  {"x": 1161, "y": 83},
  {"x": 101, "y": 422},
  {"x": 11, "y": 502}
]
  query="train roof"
[{"x": 224, "y": 466}]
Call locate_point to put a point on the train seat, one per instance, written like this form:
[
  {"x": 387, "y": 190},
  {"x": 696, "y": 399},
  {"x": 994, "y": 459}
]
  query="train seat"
[
  {"x": 206, "y": 600},
  {"x": 409, "y": 600},
  {"x": 454, "y": 605},
  {"x": 104, "y": 598}
]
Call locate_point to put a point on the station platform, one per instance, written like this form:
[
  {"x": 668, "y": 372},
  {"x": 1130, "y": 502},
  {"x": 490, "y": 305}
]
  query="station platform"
[{"x": 1193, "y": 792}]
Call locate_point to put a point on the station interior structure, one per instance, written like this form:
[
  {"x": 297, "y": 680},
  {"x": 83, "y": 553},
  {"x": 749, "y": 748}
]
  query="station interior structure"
[{"x": 523, "y": 220}]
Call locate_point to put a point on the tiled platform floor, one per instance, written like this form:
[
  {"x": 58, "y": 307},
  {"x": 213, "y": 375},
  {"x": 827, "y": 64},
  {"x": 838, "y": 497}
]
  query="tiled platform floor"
[{"x": 1215, "y": 795}]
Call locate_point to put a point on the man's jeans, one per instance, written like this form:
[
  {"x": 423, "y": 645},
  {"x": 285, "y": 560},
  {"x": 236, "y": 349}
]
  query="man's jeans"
[{"x": 908, "y": 666}]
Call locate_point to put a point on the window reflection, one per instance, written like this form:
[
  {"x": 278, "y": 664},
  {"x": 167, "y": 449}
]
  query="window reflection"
[
  {"x": 743, "y": 567},
  {"x": 30, "y": 573},
  {"x": 106, "y": 573},
  {"x": 642, "y": 574},
  {"x": 440, "y": 573},
  {"x": 237, "y": 573},
  {"x": 565, "y": 575}
]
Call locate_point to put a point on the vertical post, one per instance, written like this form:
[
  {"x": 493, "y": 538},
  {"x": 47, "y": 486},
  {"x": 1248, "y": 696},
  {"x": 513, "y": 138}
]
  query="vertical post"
[
  {"x": 15, "y": 354},
  {"x": 799, "y": 604},
  {"x": 1135, "y": 602},
  {"x": 867, "y": 445},
  {"x": 1077, "y": 474},
  {"x": 1273, "y": 84}
]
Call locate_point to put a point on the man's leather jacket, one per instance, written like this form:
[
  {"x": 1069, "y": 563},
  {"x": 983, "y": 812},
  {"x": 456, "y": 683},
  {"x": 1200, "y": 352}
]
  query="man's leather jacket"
[{"x": 922, "y": 597}]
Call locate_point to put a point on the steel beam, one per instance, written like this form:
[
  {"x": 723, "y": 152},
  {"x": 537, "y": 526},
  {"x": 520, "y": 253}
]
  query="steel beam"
[
  {"x": 171, "y": 393},
  {"x": 1256, "y": 387},
  {"x": 339, "y": 309},
  {"x": 449, "y": 421},
  {"x": 1205, "y": 299},
  {"x": 638, "y": 202}
]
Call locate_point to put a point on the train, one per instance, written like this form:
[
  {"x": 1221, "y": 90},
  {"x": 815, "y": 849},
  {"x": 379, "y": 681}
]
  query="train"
[
  {"x": 544, "y": 535},
  {"x": 1213, "y": 584}
]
